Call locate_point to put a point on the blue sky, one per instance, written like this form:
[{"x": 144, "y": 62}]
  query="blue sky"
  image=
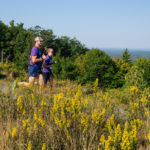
[{"x": 96, "y": 23}]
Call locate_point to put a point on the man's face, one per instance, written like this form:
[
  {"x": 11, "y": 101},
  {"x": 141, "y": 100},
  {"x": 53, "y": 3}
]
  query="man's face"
[{"x": 39, "y": 43}]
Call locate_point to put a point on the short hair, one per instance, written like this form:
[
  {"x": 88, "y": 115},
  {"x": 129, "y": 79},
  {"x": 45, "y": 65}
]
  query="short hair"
[{"x": 48, "y": 49}]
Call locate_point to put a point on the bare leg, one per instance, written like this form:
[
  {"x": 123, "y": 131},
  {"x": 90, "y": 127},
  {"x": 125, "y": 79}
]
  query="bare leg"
[
  {"x": 41, "y": 80},
  {"x": 27, "y": 84},
  {"x": 41, "y": 83},
  {"x": 32, "y": 80}
]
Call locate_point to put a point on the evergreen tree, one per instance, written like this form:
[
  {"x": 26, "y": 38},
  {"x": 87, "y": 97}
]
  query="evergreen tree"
[{"x": 126, "y": 56}]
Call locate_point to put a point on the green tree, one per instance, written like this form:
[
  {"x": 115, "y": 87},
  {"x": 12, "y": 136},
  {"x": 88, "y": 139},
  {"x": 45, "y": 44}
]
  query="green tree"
[
  {"x": 22, "y": 50},
  {"x": 65, "y": 68},
  {"x": 122, "y": 69},
  {"x": 96, "y": 64},
  {"x": 3, "y": 40},
  {"x": 135, "y": 77},
  {"x": 144, "y": 64},
  {"x": 126, "y": 56}
]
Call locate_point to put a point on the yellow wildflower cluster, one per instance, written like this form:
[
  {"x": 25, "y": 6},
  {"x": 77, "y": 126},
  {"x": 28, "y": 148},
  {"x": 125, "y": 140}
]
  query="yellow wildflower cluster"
[
  {"x": 44, "y": 146},
  {"x": 72, "y": 119},
  {"x": 144, "y": 100},
  {"x": 97, "y": 117},
  {"x": 19, "y": 104},
  {"x": 29, "y": 145},
  {"x": 38, "y": 120},
  {"x": 129, "y": 138},
  {"x": 84, "y": 122},
  {"x": 148, "y": 136},
  {"x": 64, "y": 106},
  {"x": 41, "y": 121},
  {"x": 114, "y": 138},
  {"x": 119, "y": 140},
  {"x": 95, "y": 87},
  {"x": 14, "y": 132},
  {"x": 25, "y": 123},
  {"x": 111, "y": 125},
  {"x": 133, "y": 90}
]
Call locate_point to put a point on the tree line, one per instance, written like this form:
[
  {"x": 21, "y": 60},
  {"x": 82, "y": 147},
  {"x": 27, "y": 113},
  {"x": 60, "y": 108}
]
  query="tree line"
[{"x": 74, "y": 60}]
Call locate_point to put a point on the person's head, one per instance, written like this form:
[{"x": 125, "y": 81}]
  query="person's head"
[
  {"x": 38, "y": 41},
  {"x": 49, "y": 51}
]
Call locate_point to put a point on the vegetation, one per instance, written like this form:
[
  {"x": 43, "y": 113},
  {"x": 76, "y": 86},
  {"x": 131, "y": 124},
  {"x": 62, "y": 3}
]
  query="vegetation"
[
  {"x": 75, "y": 61},
  {"x": 72, "y": 118},
  {"x": 126, "y": 56},
  {"x": 98, "y": 102}
]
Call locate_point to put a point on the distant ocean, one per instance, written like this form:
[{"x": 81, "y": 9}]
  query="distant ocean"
[{"x": 135, "y": 53}]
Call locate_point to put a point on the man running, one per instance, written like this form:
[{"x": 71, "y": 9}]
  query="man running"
[{"x": 35, "y": 64}]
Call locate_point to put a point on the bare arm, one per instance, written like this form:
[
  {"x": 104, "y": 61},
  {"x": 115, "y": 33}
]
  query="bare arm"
[{"x": 35, "y": 59}]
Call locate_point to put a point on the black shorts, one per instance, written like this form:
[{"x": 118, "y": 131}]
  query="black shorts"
[{"x": 47, "y": 76}]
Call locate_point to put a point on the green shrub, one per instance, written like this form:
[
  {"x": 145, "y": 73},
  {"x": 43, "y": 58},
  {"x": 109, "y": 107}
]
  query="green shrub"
[
  {"x": 144, "y": 64},
  {"x": 65, "y": 68},
  {"x": 135, "y": 77},
  {"x": 122, "y": 69},
  {"x": 96, "y": 64}
]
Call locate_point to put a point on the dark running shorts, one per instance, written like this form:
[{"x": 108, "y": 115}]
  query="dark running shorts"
[
  {"x": 34, "y": 71},
  {"x": 47, "y": 76}
]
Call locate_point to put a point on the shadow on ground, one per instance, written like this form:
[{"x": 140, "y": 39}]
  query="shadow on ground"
[{"x": 2, "y": 76}]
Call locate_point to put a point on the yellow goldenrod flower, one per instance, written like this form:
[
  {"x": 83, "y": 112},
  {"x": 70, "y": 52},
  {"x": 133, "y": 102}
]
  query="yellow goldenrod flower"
[
  {"x": 136, "y": 122},
  {"x": 84, "y": 122},
  {"x": 117, "y": 138},
  {"x": 102, "y": 140},
  {"x": 133, "y": 90},
  {"x": 108, "y": 143},
  {"x": 44, "y": 146},
  {"x": 148, "y": 136},
  {"x": 19, "y": 104},
  {"x": 68, "y": 136},
  {"x": 147, "y": 112},
  {"x": 97, "y": 117},
  {"x": 95, "y": 88},
  {"x": 7, "y": 135},
  {"x": 41, "y": 121},
  {"x": 29, "y": 145},
  {"x": 43, "y": 104},
  {"x": 133, "y": 137},
  {"x": 14, "y": 132},
  {"x": 25, "y": 122},
  {"x": 125, "y": 144},
  {"x": 136, "y": 105},
  {"x": 85, "y": 103},
  {"x": 143, "y": 100},
  {"x": 35, "y": 116},
  {"x": 28, "y": 128},
  {"x": 24, "y": 112},
  {"x": 35, "y": 126},
  {"x": 111, "y": 125}
]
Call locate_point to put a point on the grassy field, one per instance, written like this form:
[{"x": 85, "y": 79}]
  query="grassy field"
[{"x": 73, "y": 117}]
